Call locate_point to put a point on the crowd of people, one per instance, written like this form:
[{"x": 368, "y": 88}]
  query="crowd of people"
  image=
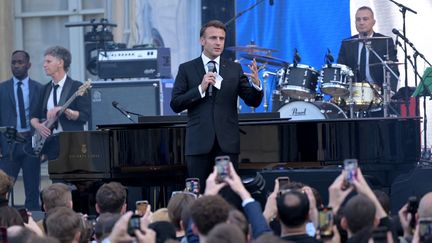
[
  {"x": 208, "y": 87},
  {"x": 293, "y": 212}
]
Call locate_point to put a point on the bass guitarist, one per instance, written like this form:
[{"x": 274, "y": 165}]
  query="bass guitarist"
[{"x": 57, "y": 61}]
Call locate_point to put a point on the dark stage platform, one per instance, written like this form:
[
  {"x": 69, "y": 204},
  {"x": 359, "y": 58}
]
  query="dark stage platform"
[{"x": 151, "y": 153}]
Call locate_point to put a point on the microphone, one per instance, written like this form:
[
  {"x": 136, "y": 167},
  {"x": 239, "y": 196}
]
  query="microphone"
[
  {"x": 397, "y": 33},
  {"x": 210, "y": 67},
  {"x": 271, "y": 2},
  {"x": 396, "y": 42},
  {"x": 115, "y": 104},
  {"x": 297, "y": 58}
]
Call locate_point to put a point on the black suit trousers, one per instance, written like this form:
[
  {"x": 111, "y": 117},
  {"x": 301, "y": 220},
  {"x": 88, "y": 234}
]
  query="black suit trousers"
[{"x": 200, "y": 166}]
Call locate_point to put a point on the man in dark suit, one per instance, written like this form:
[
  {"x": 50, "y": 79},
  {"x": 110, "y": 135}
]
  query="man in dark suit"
[
  {"x": 56, "y": 93},
  {"x": 365, "y": 65},
  {"x": 210, "y": 98},
  {"x": 19, "y": 97}
]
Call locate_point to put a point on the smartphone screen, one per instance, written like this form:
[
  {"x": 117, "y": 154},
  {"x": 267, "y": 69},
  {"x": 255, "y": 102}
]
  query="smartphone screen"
[
  {"x": 141, "y": 207},
  {"x": 134, "y": 224},
  {"x": 350, "y": 166},
  {"x": 325, "y": 222},
  {"x": 222, "y": 166},
  {"x": 283, "y": 182},
  {"x": 24, "y": 214},
  {"x": 413, "y": 204},
  {"x": 425, "y": 229},
  {"x": 193, "y": 185}
]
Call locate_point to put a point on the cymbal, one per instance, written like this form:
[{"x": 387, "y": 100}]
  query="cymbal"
[
  {"x": 387, "y": 62},
  {"x": 250, "y": 49},
  {"x": 367, "y": 39},
  {"x": 266, "y": 59}
]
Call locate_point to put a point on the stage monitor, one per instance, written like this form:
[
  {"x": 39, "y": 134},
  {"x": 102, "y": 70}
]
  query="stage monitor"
[{"x": 141, "y": 97}]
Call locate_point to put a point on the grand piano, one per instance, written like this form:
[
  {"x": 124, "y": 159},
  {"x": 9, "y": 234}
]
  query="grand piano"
[{"x": 151, "y": 152}]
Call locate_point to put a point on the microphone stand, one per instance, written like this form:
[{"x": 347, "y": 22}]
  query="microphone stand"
[
  {"x": 426, "y": 92},
  {"x": 126, "y": 113},
  {"x": 264, "y": 86},
  {"x": 386, "y": 81},
  {"x": 403, "y": 10},
  {"x": 133, "y": 113},
  {"x": 266, "y": 75},
  {"x": 243, "y": 12},
  {"x": 403, "y": 7}
]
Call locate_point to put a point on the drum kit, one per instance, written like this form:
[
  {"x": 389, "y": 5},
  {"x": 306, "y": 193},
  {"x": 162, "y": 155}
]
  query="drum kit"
[{"x": 300, "y": 88}]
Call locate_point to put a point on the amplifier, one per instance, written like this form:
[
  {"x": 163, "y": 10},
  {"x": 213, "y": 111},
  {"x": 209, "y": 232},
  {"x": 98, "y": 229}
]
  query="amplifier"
[
  {"x": 140, "y": 96},
  {"x": 134, "y": 63}
]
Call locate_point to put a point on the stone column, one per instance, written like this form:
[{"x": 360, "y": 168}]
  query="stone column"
[{"x": 6, "y": 38}]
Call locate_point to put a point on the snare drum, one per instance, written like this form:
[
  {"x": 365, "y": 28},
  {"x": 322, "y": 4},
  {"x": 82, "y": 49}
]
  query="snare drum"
[
  {"x": 301, "y": 110},
  {"x": 335, "y": 79},
  {"x": 300, "y": 82},
  {"x": 363, "y": 96}
]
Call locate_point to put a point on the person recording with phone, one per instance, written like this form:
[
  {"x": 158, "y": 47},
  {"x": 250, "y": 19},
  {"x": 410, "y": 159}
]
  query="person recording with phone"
[
  {"x": 251, "y": 208},
  {"x": 361, "y": 213},
  {"x": 365, "y": 65},
  {"x": 421, "y": 214},
  {"x": 208, "y": 88}
]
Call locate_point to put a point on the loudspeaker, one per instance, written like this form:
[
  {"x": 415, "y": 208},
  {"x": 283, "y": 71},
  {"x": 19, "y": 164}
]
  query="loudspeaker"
[
  {"x": 414, "y": 183},
  {"x": 141, "y": 97}
]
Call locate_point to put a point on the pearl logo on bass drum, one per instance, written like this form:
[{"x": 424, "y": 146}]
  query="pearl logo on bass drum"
[
  {"x": 295, "y": 112},
  {"x": 301, "y": 110}
]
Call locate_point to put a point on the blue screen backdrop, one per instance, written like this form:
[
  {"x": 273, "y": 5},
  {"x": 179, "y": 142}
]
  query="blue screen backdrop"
[{"x": 311, "y": 26}]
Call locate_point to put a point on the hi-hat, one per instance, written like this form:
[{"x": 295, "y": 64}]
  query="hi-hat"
[
  {"x": 266, "y": 59},
  {"x": 250, "y": 49},
  {"x": 367, "y": 39},
  {"x": 386, "y": 62}
]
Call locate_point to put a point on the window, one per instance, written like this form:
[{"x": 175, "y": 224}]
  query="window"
[{"x": 40, "y": 24}]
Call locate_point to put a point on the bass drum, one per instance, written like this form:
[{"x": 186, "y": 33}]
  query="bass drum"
[{"x": 301, "y": 110}]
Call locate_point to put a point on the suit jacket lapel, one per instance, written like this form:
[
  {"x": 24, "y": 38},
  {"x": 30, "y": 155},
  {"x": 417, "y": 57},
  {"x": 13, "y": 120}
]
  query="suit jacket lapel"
[
  {"x": 12, "y": 92},
  {"x": 47, "y": 93},
  {"x": 198, "y": 63},
  {"x": 65, "y": 91},
  {"x": 222, "y": 69},
  {"x": 31, "y": 91},
  {"x": 355, "y": 50}
]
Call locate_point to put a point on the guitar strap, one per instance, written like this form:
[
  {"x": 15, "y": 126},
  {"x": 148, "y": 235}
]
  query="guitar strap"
[
  {"x": 65, "y": 91},
  {"x": 46, "y": 96}
]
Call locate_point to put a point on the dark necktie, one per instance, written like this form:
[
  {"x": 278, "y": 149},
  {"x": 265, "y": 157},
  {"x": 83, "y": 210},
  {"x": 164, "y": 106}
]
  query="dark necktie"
[
  {"x": 211, "y": 65},
  {"x": 214, "y": 66},
  {"x": 55, "y": 125},
  {"x": 55, "y": 94},
  {"x": 363, "y": 63},
  {"x": 21, "y": 108}
]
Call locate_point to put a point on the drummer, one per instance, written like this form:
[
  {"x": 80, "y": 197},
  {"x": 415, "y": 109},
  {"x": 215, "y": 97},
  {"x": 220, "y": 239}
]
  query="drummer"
[{"x": 364, "y": 63}]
